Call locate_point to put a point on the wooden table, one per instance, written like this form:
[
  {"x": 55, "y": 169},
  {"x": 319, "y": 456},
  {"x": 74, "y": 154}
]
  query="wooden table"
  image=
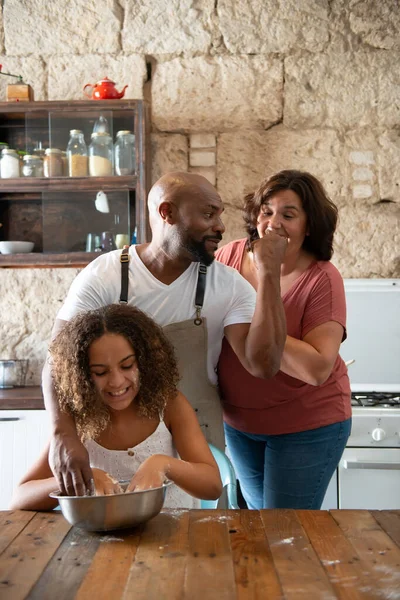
[{"x": 200, "y": 554}]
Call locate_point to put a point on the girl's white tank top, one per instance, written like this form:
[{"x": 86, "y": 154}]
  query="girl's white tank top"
[{"x": 123, "y": 464}]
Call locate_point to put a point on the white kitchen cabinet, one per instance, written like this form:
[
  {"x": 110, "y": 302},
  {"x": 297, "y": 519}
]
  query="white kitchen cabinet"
[
  {"x": 369, "y": 478},
  {"x": 23, "y": 435},
  {"x": 331, "y": 496}
]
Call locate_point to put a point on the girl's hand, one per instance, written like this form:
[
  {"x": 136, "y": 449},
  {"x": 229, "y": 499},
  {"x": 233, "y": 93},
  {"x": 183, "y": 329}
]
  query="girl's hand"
[
  {"x": 104, "y": 484},
  {"x": 152, "y": 473}
]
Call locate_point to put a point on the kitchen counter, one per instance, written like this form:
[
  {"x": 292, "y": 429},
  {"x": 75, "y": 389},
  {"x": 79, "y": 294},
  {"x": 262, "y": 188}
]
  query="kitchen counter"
[
  {"x": 204, "y": 555},
  {"x": 21, "y": 398}
]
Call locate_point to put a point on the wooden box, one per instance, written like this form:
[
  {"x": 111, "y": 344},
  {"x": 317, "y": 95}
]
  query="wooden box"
[{"x": 19, "y": 92}]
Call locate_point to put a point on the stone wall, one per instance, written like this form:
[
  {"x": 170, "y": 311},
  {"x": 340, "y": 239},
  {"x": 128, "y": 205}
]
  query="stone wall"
[{"x": 239, "y": 89}]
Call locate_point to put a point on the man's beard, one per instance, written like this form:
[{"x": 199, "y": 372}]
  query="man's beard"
[{"x": 198, "y": 249}]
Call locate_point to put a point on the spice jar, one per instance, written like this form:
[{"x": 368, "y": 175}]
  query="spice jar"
[
  {"x": 9, "y": 164},
  {"x": 100, "y": 155},
  {"x": 32, "y": 166},
  {"x": 52, "y": 164},
  {"x": 124, "y": 153},
  {"x": 77, "y": 154}
]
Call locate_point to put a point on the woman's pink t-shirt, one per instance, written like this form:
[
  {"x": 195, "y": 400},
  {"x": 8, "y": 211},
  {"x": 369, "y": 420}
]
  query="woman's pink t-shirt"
[{"x": 285, "y": 404}]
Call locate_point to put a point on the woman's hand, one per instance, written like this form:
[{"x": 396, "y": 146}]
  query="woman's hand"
[
  {"x": 269, "y": 251},
  {"x": 104, "y": 484},
  {"x": 152, "y": 473}
]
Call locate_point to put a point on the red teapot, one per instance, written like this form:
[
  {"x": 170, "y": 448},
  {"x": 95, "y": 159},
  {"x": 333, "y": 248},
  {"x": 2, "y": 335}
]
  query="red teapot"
[{"x": 104, "y": 90}]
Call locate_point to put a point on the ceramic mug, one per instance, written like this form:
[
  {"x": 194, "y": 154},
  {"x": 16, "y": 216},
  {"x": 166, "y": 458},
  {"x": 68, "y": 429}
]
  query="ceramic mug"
[
  {"x": 107, "y": 241},
  {"x": 121, "y": 240}
]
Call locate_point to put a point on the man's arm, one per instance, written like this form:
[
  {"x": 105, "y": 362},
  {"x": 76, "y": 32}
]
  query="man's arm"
[
  {"x": 68, "y": 457},
  {"x": 259, "y": 346}
]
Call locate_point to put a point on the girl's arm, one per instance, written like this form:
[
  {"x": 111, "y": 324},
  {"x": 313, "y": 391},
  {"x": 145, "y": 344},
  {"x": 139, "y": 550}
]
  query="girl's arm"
[
  {"x": 312, "y": 359},
  {"x": 32, "y": 493},
  {"x": 196, "y": 472}
]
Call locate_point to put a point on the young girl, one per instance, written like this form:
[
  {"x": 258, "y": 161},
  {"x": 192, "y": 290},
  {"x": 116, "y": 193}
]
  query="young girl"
[{"x": 115, "y": 372}]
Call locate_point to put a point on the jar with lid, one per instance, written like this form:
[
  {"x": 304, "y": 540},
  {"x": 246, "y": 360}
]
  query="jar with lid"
[
  {"x": 77, "y": 154},
  {"x": 124, "y": 153},
  {"x": 52, "y": 164},
  {"x": 100, "y": 155},
  {"x": 32, "y": 166},
  {"x": 9, "y": 164}
]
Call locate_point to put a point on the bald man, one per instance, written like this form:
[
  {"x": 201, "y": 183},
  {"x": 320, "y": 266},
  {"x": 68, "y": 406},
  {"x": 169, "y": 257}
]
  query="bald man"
[{"x": 197, "y": 301}]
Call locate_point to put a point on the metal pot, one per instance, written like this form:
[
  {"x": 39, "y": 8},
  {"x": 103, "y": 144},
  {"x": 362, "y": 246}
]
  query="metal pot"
[{"x": 13, "y": 373}]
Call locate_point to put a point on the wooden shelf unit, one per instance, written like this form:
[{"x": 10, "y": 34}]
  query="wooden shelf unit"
[{"x": 32, "y": 208}]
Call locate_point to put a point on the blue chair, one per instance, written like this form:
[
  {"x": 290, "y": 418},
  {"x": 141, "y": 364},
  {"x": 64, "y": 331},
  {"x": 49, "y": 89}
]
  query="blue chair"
[{"x": 228, "y": 477}]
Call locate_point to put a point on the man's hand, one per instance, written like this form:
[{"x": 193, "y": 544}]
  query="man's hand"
[
  {"x": 152, "y": 473},
  {"x": 269, "y": 252},
  {"x": 69, "y": 461}
]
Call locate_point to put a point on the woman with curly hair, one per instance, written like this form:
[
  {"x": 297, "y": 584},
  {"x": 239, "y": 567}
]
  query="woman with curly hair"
[
  {"x": 286, "y": 435},
  {"x": 115, "y": 372}
]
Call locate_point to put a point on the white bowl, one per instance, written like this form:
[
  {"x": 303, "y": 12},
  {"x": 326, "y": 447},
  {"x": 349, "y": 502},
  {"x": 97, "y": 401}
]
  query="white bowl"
[{"x": 16, "y": 247}]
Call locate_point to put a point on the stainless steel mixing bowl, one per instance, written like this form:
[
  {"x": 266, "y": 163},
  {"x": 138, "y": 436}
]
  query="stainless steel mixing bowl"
[{"x": 119, "y": 511}]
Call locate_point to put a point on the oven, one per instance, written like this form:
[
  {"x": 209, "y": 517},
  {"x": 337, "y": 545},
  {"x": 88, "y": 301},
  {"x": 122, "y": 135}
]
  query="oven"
[{"x": 368, "y": 475}]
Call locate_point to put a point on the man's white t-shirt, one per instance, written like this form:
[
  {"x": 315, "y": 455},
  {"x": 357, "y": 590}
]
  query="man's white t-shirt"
[{"x": 228, "y": 299}]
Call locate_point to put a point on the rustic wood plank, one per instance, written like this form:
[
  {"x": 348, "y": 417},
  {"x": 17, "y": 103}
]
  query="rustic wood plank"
[
  {"x": 25, "y": 185},
  {"x": 64, "y": 105},
  {"x": 27, "y": 392},
  {"x": 66, "y": 570},
  {"x": 25, "y": 558},
  {"x": 12, "y": 522},
  {"x": 389, "y": 520},
  {"x": 159, "y": 567},
  {"x": 209, "y": 571},
  {"x": 28, "y": 397},
  {"x": 255, "y": 574},
  {"x": 43, "y": 259},
  {"x": 346, "y": 571},
  {"x": 115, "y": 556},
  {"x": 374, "y": 547},
  {"x": 300, "y": 573}
]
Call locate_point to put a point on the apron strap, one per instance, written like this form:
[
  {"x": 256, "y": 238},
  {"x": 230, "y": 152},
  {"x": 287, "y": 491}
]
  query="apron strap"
[
  {"x": 200, "y": 288},
  {"x": 124, "y": 259},
  {"x": 200, "y": 291}
]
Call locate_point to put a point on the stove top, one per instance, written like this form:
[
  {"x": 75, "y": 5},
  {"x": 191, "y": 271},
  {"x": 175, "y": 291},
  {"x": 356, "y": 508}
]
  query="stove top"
[{"x": 378, "y": 399}]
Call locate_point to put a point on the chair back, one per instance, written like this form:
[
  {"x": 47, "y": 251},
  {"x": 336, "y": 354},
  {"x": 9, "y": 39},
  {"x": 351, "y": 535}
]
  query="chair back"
[{"x": 228, "y": 477}]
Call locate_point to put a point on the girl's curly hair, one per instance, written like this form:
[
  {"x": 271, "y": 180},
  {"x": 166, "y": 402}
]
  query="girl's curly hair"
[
  {"x": 69, "y": 355},
  {"x": 321, "y": 212}
]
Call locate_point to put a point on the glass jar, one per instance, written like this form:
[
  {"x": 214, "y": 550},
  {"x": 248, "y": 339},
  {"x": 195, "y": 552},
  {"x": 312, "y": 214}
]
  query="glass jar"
[
  {"x": 77, "y": 154},
  {"x": 100, "y": 155},
  {"x": 32, "y": 166},
  {"x": 52, "y": 164},
  {"x": 125, "y": 153},
  {"x": 101, "y": 125},
  {"x": 39, "y": 151},
  {"x": 64, "y": 161},
  {"x": 9, "y": 164}
]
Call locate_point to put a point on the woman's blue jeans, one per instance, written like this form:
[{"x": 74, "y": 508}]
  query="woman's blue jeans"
[{"x": 291, "y": 470}]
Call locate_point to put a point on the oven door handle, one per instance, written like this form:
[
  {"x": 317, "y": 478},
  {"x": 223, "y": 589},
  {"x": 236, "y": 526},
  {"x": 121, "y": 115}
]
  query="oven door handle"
[{"x": 355, "y": 464}]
